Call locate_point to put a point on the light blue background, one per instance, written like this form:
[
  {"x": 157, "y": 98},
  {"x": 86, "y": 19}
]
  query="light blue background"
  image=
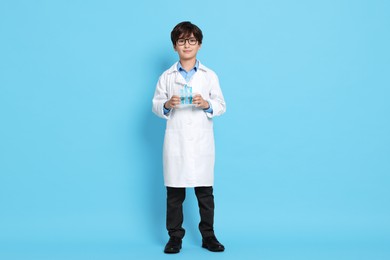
[{"x": 302, "y": 154}]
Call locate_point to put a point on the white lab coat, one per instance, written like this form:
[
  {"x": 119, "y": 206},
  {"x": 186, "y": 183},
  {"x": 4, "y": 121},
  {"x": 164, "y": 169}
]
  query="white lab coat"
[{"x": 188, "y": 152}]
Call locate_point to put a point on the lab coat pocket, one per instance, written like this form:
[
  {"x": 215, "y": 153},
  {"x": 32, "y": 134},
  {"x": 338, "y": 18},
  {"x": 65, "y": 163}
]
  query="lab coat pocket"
[
  {"x": 206, "y": 142},
  {"x": 173, "y": 143}
]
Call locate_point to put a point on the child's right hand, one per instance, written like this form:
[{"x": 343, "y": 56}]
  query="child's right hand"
[{"x": 174, "y": 101}]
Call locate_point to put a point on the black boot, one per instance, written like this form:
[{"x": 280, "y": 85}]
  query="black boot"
[
  {"x": 212, "y": 244},
  {"x": 173, "y": 246}
]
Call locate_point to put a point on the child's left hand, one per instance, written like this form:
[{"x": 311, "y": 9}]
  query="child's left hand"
[{"x": 200, "y": 102}]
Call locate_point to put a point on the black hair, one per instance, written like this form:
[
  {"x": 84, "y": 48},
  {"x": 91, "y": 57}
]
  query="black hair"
[{"x": 184, "y": 29}]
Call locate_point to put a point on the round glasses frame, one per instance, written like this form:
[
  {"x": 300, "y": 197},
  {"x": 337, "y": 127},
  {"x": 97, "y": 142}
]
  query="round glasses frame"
[{"x": 191, "y": 41}]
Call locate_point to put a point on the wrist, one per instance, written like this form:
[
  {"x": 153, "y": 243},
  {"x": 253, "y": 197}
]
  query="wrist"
[{"x": 206, "y": 105}]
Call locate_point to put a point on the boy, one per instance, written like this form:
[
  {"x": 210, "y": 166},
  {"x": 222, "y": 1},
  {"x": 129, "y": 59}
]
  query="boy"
[{"x": 188, "y": 152}]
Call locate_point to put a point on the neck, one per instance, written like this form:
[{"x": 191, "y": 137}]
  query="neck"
[{"x": 188, "y": 64}]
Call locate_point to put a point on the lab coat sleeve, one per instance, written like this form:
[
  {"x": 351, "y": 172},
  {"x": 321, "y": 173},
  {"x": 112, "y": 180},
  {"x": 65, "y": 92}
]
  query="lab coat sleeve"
[
  {"x": 216, "y": 98},
  {"x": 160, "y": 97}
]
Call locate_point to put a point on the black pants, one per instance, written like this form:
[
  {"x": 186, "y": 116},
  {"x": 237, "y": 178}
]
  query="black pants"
[{"x": 175, "y": 199}]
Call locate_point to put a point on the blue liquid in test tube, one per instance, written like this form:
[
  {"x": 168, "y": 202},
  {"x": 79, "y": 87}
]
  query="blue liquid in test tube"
[
  {"x": 182, "y": 98},
  {"x": 190, "y": 95}
]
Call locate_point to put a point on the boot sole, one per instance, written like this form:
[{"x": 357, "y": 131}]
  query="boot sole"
[{"x": 213, "y": 250}]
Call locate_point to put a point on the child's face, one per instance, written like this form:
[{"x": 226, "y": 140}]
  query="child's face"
[{"x": 187, "y": 51}]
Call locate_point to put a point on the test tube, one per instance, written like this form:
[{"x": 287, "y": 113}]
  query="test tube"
[
  {"x": 190, "y": 95},
  {"x": 182, "y": 96}
]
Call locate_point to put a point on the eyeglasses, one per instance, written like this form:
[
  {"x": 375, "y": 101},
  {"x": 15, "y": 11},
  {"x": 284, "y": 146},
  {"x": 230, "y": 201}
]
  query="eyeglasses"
[{"x": 191, "y": 41}]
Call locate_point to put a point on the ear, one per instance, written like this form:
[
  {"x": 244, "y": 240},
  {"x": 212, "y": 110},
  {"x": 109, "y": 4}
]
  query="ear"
[{"x": 174, "y": 47}]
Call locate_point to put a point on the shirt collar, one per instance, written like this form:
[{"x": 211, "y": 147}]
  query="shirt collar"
[
  {"x": 180, "y": 68},
  {"x": 174, "y": 67}
]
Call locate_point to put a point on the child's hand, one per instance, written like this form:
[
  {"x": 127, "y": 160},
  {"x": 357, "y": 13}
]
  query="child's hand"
[
  {"x": 200, "y": 102},
  {"x": 174, "y": 101}
]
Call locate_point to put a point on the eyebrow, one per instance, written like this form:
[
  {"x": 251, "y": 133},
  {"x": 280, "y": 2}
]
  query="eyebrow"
[
  {"x": 185, "y": 35},
  {"x": 190, "y": 37}
]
